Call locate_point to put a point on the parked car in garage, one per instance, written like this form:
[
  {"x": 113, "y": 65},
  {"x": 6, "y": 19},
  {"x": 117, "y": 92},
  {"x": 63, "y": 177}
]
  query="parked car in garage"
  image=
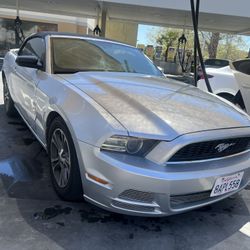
[
  {"x": 241, "y": 71},
  {"x": 222, "y": 81},
  {"x": 213, "y": 64},
  {"x": 216, "y": 63},
  {"x": 230, "y": 82},
  {"x": 119, "y": 133}
]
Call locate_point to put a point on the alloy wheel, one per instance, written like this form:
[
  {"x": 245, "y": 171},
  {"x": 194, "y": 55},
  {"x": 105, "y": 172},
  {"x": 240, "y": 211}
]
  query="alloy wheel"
[
  {"x": 60, "y": 158},
  {"x": 6, "y": 94}
]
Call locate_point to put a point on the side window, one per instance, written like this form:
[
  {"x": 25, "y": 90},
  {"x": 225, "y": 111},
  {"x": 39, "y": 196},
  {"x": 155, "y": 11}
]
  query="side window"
[
  {"x": 34, "y": 47},
  {"x": 242, "y": 66}
]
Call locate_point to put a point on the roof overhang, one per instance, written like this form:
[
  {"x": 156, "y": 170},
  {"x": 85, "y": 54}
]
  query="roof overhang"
[{"x": 227, "y": 16}]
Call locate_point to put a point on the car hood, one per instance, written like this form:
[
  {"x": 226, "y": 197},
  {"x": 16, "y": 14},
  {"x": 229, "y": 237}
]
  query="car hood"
[{"x": 156, "y": 106}]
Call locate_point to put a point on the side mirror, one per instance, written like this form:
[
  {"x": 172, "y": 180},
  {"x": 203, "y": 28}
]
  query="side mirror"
[{"x": 29, "y": 62}]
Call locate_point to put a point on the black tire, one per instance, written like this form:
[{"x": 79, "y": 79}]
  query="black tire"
[
  {"x": 10, "y": 109},
  {"x": 227, "y": 96},
  {"x": 238, "y": 100},
  {"x": 73, "y": 190}
]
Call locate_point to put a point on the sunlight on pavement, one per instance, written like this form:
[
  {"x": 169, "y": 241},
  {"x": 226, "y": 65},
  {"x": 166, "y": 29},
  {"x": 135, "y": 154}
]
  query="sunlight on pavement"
[{"x": 246, "y": 229}]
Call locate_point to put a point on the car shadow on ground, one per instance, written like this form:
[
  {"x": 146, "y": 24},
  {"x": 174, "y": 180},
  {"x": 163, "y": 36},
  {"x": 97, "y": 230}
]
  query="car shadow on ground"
[{"x": 25, "y": 182}]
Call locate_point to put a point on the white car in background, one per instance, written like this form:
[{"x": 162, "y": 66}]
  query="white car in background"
[
  {"x": 241, "y": 71},
  {"x": 222, "y": 81},
  {"x": 231, "y": 82}
]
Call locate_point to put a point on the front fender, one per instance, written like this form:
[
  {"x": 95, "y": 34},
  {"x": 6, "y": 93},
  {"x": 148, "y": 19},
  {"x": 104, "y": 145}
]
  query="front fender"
[{"x": 86, "y": 120}]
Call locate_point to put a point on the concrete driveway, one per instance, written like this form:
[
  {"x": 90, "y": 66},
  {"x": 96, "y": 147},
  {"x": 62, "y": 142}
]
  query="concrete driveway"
[{"x": 33, "y": 217}]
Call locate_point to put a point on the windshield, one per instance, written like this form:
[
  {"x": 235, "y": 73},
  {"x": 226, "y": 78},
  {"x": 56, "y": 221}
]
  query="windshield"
[{"x": 71, "y": 55}]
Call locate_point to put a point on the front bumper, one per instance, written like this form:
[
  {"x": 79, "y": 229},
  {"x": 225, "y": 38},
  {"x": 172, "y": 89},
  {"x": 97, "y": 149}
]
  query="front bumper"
[
  {"x": 153, "y": 187},
  {"x": 138, "y": 186}
]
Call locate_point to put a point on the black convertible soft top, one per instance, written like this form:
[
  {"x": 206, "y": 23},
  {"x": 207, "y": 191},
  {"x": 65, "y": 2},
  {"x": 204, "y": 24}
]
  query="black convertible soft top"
[{"x": 43, "y": 34}]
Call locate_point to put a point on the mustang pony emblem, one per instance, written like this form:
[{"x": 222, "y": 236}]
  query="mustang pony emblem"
[{"x": 223, "y": 146}]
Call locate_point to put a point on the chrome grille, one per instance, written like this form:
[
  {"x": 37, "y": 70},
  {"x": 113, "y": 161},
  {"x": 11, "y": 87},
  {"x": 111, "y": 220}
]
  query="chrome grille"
[
  {"x": 138, "y": 196},
  {"x": 211, "y": 149}
]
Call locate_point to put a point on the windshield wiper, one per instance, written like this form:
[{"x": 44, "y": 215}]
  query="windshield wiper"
[
  {"x": 101, "y": 70},
  {"x": 85, "y": 70},
  {"x": 66, "y": 71}
]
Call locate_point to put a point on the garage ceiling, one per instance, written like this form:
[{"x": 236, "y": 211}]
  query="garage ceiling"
[{"x": 221, "y": 18}]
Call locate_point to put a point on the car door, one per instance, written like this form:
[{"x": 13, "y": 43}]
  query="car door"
[
  {"x": 27, "y": 79},
  {"x": 242, "y": 76}
]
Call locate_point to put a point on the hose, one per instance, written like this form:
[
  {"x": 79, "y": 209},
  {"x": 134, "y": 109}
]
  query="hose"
[
  {"x": 18, "y": 31},
  {"x": 195, "y": 47},
  {"x": 182, "y": 41},
  {"x": 195, "y": 16}
]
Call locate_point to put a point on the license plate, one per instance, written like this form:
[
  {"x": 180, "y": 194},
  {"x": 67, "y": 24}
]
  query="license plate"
[{"x": 227, "y": 184}]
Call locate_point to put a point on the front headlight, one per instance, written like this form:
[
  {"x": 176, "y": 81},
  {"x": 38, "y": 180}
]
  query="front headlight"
[{"x": 129, "y": 145}]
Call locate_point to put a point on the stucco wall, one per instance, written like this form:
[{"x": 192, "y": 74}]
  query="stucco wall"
[
  {"x": 62, "y": 26},
  {"x": 73, "y": 28},
  {"x": 121, "y": 31}
]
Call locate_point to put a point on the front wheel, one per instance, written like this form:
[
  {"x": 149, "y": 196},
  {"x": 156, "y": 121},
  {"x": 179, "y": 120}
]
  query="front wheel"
[
  {"x": 65, "y": 171},
  {"x": 227, "y": 96},
  {"x": 238, "y": 101},
  {"x": 10, "y": 109}
]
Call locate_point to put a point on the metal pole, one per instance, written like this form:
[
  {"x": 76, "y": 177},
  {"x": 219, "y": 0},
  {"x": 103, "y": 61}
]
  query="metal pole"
[
  {"x": 98, "y": 15},
  {"x": 104, "y": 20},
  {"x": 195, "y": 14},
  {"x": 17, "y": 7},
  {"x": 16, "y": 31}
]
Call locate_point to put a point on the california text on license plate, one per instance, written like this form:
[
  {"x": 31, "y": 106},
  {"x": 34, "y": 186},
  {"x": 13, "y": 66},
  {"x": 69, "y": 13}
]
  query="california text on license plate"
[{"x": 227, "y": 184}]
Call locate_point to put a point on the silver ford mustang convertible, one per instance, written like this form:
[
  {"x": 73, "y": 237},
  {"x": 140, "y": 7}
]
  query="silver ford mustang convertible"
[{"x": 119, "y": 133}]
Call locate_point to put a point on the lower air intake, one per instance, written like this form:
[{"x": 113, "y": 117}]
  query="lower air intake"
[
  {"x": 132, "y": 207},
  {"x": 178, "y": 201},
  {"x": 137, "y": 196}
]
